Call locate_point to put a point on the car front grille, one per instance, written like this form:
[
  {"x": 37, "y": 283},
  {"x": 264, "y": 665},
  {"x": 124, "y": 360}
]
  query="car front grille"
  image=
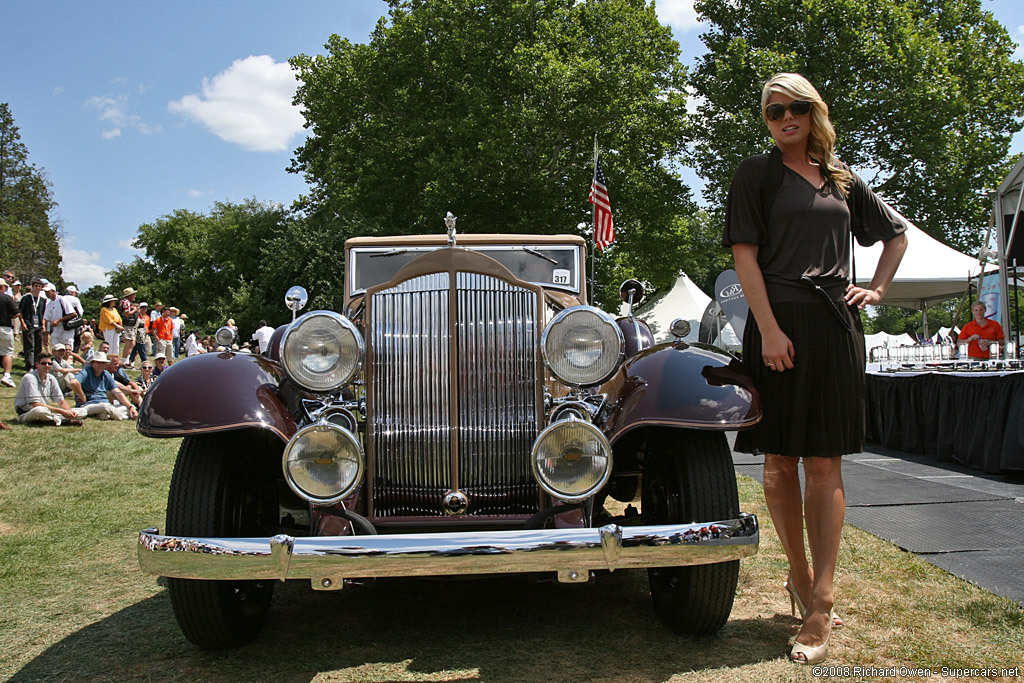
[{"x": 453, "y": 395}]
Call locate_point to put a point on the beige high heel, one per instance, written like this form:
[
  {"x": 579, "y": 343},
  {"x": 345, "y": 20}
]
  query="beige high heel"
[
  {"x": 805, "y": 654},
  {"x": 796, "y": 603}
]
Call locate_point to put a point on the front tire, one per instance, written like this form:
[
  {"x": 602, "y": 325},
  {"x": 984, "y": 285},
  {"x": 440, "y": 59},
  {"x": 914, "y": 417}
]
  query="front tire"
[
  {"x": 220, "y": 488},
  {"x": 694, "y": 482}
]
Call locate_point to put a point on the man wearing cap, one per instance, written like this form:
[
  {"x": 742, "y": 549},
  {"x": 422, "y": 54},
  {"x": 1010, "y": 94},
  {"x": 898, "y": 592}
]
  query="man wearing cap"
[
  {"x": 159, "y": 363},
  {"x": 32, "y": 308},
  {"x": 101, "y": 390},
  {"x": 9, "y": 317},
  {"x": 71, "y": 297},
  {"x": 64, "y": 370},
  {"x": 130, "y": 320},
  {"x": 57, "y": 311},
  {"x": 141, "y": 336},
  {"x": 40, "y": 399}
]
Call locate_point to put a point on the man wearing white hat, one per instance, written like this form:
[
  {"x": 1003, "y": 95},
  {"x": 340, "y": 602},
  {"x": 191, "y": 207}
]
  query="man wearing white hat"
[
  {"x": 101, "y": 390},
  {"x": 74, "y": 302},
  {"x": 57, "y": 311}
]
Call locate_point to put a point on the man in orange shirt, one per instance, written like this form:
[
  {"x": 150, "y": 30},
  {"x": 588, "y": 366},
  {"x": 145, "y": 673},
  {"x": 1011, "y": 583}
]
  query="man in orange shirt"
[
  {"x": 163, "y": 327},
  {"x": 980, "y": 332}
]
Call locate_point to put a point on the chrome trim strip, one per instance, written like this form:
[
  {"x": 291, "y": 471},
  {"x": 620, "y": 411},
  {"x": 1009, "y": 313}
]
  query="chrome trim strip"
[{"x": 445, "y": 554}]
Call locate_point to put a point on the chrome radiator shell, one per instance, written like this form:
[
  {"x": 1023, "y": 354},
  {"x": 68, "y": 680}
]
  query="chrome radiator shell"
[{"x": 453, "y": 392}]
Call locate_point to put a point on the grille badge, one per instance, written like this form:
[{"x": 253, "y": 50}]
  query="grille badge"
[{"x": 455, "y": 503}]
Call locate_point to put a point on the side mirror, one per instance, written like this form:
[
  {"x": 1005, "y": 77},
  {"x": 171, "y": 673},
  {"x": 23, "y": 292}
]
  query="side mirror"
[
  {"x": 295, "y": 299},
  {"x": 631, "y": 292}
]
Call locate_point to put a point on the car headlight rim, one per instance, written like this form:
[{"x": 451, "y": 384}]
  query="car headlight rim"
[
  {"x": 584, "y": 375},
  {"x": 347, "y": 439},
  {"x": 320, "y": 381},
  {"x": 593, "y": 433}
]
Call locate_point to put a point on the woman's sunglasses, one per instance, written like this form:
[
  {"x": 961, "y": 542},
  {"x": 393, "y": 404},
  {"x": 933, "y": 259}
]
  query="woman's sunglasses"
[{"x": 775, "y": 111}]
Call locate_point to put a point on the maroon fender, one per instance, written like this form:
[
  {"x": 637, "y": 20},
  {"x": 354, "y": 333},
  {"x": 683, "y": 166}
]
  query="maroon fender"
[
  {"x": 637, "y": 334},
  {"x": 680, "y": 385},
  {"x": 216, "y": 393}
]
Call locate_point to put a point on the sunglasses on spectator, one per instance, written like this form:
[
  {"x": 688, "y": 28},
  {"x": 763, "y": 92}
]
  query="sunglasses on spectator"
[
  {"x": 147, "y": 367},
  {"x": 45, "y": 362},
  {"x": 775, "y": 111}
]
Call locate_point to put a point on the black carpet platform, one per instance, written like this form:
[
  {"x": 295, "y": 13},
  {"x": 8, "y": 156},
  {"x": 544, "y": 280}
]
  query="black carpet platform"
[{"x": 966, "y": 522}]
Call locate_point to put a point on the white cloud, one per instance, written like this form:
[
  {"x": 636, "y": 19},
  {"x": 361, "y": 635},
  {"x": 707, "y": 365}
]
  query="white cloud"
[
  {"x": 195, "y": 194},
  {"x": 678, "y": 14},
  {"x": 1019, "y": 52},
  {"x": 81, "y": 267},
  {"x": 114, "y": 112},
  {"x": 58, "y": 91},
  {"x": 248, "y": 104}
]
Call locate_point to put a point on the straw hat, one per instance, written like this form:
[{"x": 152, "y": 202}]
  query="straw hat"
[{"x": 107, "y": 298}]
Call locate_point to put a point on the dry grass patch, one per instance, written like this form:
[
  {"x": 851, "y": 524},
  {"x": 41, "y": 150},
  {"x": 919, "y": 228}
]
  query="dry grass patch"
[{"x": 73, "y": 605}]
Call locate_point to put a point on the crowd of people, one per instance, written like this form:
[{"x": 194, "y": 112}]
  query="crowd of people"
[{"x": 78, "y": 367}]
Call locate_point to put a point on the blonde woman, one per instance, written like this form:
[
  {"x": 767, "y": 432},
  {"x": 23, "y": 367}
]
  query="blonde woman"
[{"x": 789, "y": 219}]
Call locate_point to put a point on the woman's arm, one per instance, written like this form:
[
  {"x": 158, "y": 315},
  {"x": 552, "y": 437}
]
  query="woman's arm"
[
  {"x": 776, "y": 348},
  {"x": 892, "y": 253}
]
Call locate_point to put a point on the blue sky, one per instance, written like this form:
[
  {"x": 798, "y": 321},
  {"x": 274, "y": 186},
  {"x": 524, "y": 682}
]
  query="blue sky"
[{"x": 136, "y": 109}]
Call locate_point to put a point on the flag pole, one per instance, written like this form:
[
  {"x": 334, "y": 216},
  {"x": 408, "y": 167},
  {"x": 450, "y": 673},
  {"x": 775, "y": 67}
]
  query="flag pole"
[{"x": 593, "y": 247}]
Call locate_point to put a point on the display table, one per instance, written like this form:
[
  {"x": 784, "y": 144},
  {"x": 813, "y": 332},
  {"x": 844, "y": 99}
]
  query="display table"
[{"x": 975, "y": 418}]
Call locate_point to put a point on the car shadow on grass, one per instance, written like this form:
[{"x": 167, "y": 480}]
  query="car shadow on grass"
[{"x": 484, "y": 629}]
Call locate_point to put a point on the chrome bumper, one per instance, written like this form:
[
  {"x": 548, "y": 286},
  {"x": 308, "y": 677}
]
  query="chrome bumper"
[{"x": 328, "y": 560}]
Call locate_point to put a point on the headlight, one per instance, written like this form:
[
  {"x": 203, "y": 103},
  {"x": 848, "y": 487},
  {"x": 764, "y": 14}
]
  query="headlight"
[
  {"x": 323, "y": 463},
  {"x": 322, "y": 351},
  {"x": 572, "y": 460},
  {"x": 225, "y": 337},
  {"x": 582, "y": 346}
]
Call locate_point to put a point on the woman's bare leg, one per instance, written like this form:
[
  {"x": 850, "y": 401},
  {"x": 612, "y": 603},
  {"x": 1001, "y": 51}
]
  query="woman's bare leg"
[
  {"x": 824, "y": 510},
  {"x": 782, "y": 493}
]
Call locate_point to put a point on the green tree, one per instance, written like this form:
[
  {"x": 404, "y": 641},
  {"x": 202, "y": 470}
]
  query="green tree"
[
  {"x": 924, "y": 95},
  {"x": 489, "y": 110},
  {"x": 213, "y": 267},
  {"x": 28, "y": 236}
]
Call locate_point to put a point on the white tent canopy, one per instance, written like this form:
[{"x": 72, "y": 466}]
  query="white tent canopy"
[
  {"x": 685, "y": 300},
  {"x": 930, "y": 271}
]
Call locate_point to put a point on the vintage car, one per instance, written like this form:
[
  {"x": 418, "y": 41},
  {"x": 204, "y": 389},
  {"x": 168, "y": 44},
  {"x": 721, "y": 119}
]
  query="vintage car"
[{"x": 466, "y": 413}]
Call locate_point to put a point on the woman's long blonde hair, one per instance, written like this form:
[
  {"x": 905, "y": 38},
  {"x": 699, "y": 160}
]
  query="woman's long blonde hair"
[{"x": 822, "y": 140}]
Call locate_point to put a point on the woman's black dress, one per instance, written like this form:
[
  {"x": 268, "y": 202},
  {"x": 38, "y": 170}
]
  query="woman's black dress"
[{"x": 817, "y": 408}]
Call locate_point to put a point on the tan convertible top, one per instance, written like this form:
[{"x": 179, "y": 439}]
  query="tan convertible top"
[{"x": 463, "y": 239}]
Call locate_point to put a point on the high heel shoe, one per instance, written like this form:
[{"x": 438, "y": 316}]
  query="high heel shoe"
[
  {"x": 810, "y": 655},
  {"x": 796, "y": 603}
]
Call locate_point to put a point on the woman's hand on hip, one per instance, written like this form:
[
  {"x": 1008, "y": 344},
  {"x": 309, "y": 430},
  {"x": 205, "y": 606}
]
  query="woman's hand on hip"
[
  {"x": 860, "y": 297},
  {"x": 777, "y": 351}
]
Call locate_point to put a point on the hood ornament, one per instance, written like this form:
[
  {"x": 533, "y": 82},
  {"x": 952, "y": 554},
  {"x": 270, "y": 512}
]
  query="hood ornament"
[{"x": 449, "y": 222}]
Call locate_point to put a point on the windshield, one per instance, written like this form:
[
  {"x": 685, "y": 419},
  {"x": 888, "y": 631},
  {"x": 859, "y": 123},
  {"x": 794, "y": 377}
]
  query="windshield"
[{"x": 544, "y": 265}]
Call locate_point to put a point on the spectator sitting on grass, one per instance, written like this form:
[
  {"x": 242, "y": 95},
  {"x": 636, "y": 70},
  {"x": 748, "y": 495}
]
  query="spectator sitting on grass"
[
  {"x": 101, "y": 390},
  {"x": 159, "y": 364},
  {"x": 146, "y": 378},
  {"x": 40, "y": 399},
  {"x": 124, "y": 382},
  {"x": 86, "y": 350},
  {"x": 64, "y": 370}
]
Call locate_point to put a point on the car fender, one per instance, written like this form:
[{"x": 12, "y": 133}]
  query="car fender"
[
  {"x": 216, "y": 392},
  {"x": 678, "y": 384}
]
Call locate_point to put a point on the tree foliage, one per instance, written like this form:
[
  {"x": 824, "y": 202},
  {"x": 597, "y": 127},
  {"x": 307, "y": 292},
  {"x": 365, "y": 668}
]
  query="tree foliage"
[
  {"x": 924, "y": 95},
  {"x": 489, "y": 110},
  {"x": 214, "y": 267},
  {"x": 28, "y": 235}
]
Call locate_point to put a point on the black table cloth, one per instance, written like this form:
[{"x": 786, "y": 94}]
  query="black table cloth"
[{"x": 977, "y": 420}]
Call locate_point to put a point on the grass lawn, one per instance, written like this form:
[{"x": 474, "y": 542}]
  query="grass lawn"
[{"x": 74, "y": 606}]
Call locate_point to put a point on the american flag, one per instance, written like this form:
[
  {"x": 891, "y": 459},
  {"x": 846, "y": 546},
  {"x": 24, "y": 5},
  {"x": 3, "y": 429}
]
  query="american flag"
[{"x": 604, "y": 230}]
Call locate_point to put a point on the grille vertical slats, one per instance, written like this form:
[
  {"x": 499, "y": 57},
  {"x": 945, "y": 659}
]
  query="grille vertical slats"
[{"x": 410, "y": 424}]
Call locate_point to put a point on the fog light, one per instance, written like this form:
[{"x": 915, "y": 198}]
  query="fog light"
[
  {"x": 572, "y": 459},
  {"x": 323, "y": 463}
]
